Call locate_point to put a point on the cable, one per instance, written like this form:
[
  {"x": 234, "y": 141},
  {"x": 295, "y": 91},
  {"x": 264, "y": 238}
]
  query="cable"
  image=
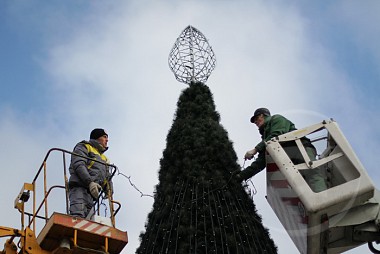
[
  {"x": 252, "y": 193},
  {"x": 133, "y": 185}
]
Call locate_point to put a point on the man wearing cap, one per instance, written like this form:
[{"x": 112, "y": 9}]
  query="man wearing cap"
[
  {"x": 88, "y": 176},
  {"x": 273, "y": 126}
]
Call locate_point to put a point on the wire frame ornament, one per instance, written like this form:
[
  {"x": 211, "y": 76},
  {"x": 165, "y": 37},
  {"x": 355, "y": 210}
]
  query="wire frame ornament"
[{"x": 192, "y": 58}]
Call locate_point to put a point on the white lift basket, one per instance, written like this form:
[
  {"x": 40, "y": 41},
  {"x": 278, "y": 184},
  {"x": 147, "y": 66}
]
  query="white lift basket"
[{"x": 335, "y": 220}]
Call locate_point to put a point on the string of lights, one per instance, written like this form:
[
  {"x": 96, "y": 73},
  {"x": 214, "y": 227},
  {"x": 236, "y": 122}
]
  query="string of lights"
[{"x": 250, "y": 190}]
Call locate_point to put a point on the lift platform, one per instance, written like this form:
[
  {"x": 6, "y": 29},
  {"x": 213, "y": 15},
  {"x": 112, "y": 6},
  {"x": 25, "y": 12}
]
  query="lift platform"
[
  {"x": 61, "y": 233},
  {"x": 337, "y": 219},
  {"x": 86, "y": 235}
]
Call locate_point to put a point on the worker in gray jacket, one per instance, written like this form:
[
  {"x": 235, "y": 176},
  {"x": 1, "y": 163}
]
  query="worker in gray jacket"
[{"x": 88, "y": 173}]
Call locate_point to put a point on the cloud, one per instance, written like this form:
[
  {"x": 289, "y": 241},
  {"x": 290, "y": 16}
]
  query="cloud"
[{"x": 125, "y": 63}]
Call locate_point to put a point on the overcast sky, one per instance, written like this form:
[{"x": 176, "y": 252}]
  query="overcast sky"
[{"x": 67, "y": 67}]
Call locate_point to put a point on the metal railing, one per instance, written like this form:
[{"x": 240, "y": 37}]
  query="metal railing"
[{"x": 42, "y": 172}]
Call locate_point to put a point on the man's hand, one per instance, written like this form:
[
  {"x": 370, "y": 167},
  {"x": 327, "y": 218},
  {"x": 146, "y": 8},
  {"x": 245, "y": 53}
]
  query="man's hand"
[
  {"x": 94, "y": 189},
  {"x": 249, "y": 155}
]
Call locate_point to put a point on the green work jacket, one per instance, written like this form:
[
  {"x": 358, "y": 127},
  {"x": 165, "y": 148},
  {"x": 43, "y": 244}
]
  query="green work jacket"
[{"x": 273, "y": 126}]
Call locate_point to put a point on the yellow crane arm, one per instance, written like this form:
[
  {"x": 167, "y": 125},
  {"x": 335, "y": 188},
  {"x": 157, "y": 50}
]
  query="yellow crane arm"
[{"x": 5, "y": 231}]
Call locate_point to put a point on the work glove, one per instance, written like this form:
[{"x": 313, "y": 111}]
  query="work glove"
[
  {"x": 94, "y": 189},
  {"x": 249, "y": 155}
]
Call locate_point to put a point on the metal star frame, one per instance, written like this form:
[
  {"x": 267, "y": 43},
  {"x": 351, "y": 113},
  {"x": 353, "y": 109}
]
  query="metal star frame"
[{"x": 192, "y": 58}]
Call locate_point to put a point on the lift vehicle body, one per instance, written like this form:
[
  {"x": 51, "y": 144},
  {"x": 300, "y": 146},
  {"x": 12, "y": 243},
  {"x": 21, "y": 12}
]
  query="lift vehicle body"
[
  {"x": 342, "y": 217},
  {"x": 60, "y": 232}
]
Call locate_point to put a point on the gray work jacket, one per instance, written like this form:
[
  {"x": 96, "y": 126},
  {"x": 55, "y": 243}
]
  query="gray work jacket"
[{"x": 84, "y": 171}]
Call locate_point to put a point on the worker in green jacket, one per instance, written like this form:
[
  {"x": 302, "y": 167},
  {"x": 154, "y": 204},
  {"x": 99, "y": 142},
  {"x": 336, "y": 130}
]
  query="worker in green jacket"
[{"x": 273, "y": 126}]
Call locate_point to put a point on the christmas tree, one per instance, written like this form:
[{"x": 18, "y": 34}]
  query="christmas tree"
[{"x": 198, "y": 206}]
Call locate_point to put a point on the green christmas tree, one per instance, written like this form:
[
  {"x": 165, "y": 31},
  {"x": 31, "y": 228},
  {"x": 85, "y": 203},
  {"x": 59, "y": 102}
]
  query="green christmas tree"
[{"x": 198, "y": 206}]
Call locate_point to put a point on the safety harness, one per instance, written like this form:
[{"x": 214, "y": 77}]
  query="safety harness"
[{"x": 92, "y": 149}]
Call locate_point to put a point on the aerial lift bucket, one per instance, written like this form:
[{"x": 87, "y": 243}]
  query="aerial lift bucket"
[
  {"x": 87, "y": 236},
  {"x": 63, "y": 233},
  {"x": 334, "y": 220}
]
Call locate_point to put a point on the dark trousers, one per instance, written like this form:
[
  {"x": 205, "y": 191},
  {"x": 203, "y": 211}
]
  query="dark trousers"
[
  {"x": 315, "y": 178},
  {"x": 81, "y": 201}
]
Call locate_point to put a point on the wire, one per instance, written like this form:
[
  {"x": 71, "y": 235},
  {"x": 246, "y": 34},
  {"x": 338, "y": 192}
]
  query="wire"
[
  {"x": 148, "y": 195},
  {"x": 251, "y": 192},
  {"x": 133, "y": 185}
]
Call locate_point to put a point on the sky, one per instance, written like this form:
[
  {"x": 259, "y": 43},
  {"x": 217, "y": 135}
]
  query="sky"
[{"x": 67, "y": 67}]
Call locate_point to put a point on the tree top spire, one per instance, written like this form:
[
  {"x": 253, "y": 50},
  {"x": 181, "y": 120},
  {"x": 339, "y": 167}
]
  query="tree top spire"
[{"x": 191, "y": 58}]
